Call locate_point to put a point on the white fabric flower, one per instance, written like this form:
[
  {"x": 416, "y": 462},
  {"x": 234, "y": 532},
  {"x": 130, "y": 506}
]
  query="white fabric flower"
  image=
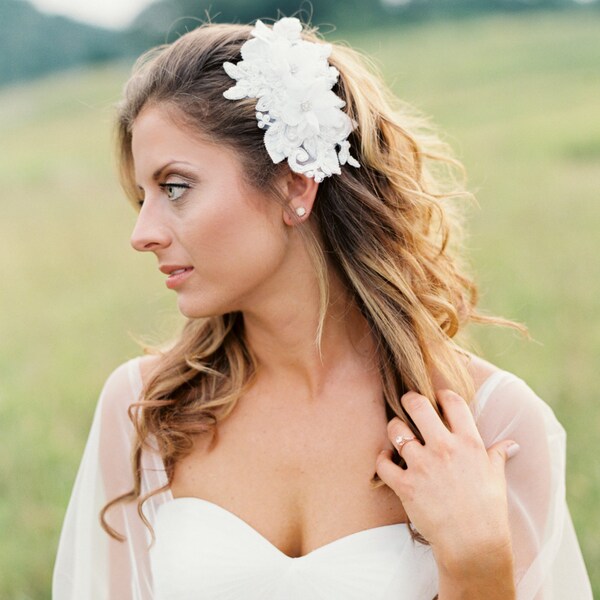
[{"x": 292, "y": 81}]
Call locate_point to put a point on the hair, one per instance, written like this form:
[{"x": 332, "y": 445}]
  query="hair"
[{"x": 392, "y": 230}]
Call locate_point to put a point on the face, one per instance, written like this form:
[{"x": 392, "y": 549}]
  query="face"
[{"x": 218, "y": 241}]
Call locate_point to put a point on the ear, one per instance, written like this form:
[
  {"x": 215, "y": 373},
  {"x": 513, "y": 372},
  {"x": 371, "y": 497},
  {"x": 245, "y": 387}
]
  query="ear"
[{"x": 300, "y": 192}]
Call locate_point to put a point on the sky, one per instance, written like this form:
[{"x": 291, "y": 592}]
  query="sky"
[{"x": 104, "y": 13}]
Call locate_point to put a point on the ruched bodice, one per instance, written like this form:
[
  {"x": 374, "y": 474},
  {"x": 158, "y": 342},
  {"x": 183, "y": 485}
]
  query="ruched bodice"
[{"x": 205, "y": 552}]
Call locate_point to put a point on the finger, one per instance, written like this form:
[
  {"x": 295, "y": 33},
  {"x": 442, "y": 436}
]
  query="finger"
[
  {"x": 457, "y": 412},
  {"x": 389, "y": 472},
  {"x": 421, "y": 411},
  {"x": 397, "y": 427},
  {"x": 501, "y": 452}
]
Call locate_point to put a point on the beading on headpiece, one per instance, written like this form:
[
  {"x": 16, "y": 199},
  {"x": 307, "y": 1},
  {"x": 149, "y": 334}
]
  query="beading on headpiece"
[{"x": 292, "y": 80}]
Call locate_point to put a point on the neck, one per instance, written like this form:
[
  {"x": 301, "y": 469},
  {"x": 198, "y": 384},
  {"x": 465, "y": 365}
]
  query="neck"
[{"x": 283, "y": 338}]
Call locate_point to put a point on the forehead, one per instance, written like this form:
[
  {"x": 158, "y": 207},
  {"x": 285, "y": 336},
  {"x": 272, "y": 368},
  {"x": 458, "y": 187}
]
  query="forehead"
[{"x": 158, "y": 138}]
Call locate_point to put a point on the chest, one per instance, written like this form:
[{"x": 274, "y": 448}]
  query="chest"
[{"x": 297, "y": 472}]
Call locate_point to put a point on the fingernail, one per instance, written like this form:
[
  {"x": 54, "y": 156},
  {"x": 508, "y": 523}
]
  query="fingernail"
[{"x": 512, "y": 449}]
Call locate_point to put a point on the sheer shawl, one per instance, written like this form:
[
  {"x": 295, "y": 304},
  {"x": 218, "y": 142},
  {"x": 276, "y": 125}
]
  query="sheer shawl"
[{"x": 93, "y": 566}]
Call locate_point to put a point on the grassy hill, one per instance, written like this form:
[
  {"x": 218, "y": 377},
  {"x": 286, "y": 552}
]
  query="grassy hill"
[{"x": 518, "y": 98}]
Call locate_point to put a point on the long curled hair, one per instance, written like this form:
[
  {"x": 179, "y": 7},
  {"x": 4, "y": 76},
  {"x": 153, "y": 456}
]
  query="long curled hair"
[{"x": 391, "y": 229}]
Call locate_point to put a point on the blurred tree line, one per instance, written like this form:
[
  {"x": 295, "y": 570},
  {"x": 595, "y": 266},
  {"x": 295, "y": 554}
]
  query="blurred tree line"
[{"x": 33, "y": 43}]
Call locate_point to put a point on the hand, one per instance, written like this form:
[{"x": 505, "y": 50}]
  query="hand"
[{"x": 453, "y": 489}]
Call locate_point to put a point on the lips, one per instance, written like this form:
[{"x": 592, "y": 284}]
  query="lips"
[
  {"x": 177, "y": 274},
  {"x": 174, "y": 269}
]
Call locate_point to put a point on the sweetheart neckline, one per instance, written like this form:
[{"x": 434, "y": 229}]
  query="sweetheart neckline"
[
  {"x": 235, "y": 518},
  {"x": 476, "y": 406}
]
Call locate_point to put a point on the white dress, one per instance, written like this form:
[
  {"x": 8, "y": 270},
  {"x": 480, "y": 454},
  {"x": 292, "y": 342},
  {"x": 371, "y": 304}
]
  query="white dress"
[{"x": 205, "y": 552}]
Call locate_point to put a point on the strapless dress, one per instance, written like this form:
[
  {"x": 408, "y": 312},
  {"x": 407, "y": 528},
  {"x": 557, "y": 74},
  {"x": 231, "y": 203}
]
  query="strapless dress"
[{"x": 204, "y": 552}]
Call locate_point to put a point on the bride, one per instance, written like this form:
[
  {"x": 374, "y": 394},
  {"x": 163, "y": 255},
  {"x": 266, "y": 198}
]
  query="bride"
[{"x": 316, "y": 431}]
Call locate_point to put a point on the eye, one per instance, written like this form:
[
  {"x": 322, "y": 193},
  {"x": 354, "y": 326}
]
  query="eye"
[
  {"x": 174, "y": 191},
  {"x": 140, "y": 197}
]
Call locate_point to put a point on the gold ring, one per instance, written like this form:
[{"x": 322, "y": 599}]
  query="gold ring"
[{"x": 401, "y": 440}]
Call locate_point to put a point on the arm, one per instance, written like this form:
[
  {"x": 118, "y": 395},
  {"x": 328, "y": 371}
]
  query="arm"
[
  {"x": 454, "y": 492},
  {"x": 89, "y": 563},
  {"x": 489, "y": 575},
  {"x": 462, "y": 509},
  {"x": 548, "y": 564}
]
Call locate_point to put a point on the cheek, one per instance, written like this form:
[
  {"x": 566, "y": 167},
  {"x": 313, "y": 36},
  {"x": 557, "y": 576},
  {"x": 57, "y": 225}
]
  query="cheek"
[{"x": 237, "y": 247}]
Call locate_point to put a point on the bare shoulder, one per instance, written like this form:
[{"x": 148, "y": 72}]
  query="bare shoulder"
[
  {"x": 480, "y": 369},
  {"x": 118, "y": 382},
  {"x": 509, "y": 396},
  {"x": 147, "y": 365},
  {"x": 118, "y": 392},
  {"x": 122, "y": 388}
]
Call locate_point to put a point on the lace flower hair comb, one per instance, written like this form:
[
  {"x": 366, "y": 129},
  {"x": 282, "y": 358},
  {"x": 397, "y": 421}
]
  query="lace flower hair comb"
[{"x": 292, "y": 80}]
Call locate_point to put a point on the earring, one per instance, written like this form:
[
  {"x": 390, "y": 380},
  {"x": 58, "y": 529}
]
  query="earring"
[{"x": 301, "y": 211}]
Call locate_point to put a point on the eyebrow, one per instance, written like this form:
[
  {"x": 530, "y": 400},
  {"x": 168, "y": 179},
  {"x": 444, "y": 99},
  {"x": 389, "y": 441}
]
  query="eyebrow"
[{"x": 157, "y": 173}]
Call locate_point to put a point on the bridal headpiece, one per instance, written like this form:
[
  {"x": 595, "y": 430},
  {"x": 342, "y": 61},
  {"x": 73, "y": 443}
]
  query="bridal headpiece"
[{"x": 292, "y": 80}]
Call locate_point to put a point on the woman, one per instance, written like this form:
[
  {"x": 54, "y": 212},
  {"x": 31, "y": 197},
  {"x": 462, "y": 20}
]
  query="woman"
[{"x": 306, "y": 228}]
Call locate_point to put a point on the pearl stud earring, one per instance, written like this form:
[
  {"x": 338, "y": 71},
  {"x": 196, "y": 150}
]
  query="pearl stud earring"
[{"x": 301, "y": 211}]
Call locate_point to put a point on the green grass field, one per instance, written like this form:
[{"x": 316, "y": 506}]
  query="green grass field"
[{"x": 519, "y": 99}]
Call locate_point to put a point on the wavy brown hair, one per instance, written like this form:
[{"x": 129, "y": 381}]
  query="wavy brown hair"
[{"x": 390, "y": 229}]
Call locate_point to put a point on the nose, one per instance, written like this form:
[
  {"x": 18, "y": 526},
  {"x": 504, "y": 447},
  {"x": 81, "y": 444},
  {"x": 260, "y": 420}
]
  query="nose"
[{"x": 150, "y": 232}]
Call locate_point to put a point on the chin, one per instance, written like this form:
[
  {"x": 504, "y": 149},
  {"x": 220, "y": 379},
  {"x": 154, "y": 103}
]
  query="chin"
[
  {"x": 198, "y": 309},
  {"x": 194, "y": 312}
]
